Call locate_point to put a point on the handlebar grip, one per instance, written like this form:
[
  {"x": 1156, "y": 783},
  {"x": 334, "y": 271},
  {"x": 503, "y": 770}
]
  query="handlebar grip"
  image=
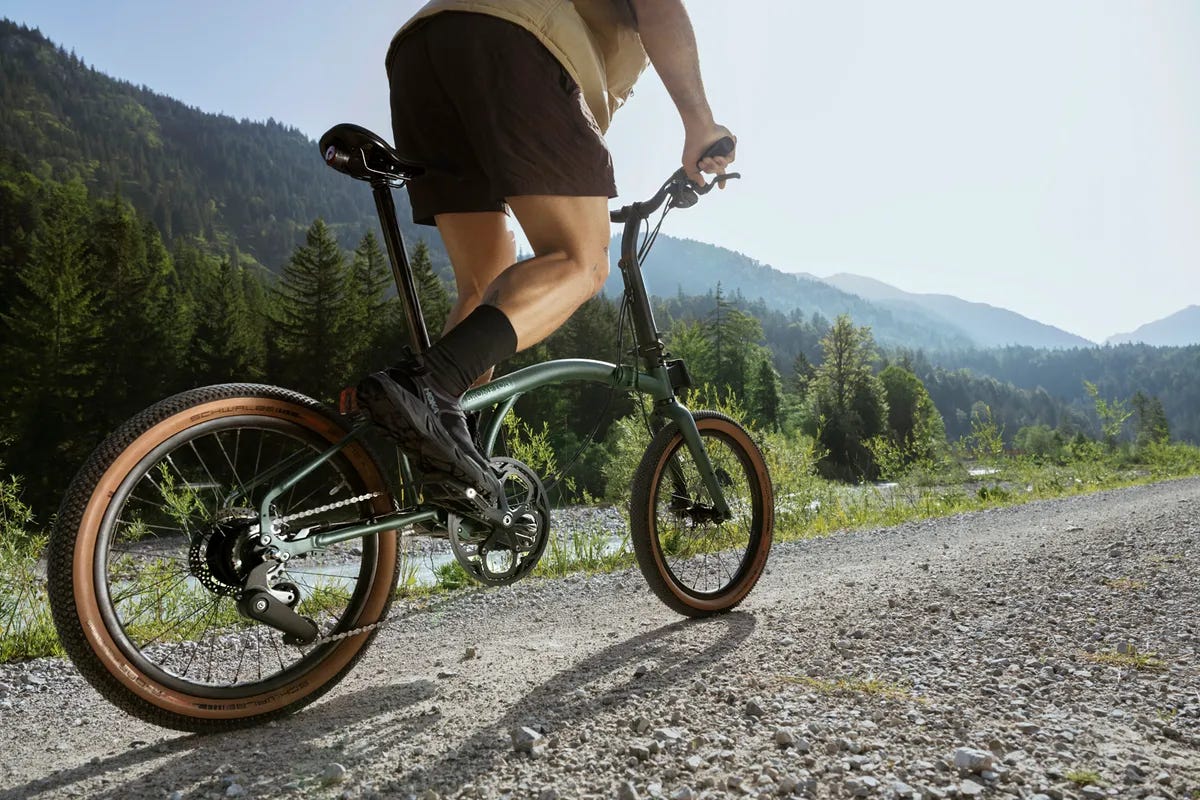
[{"x": 722, "y": 147}]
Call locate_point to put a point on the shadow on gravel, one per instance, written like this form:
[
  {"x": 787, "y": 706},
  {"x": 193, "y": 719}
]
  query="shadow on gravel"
[
  {"x": 369, "y": 724},
  {"x": 246, "y": 754},
  {"x": 677, "y": 653}
]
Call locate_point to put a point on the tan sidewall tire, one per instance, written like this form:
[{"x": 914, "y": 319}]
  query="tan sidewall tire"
[
  {"x": 653, "y": 564},
  {"x": 90, "y": 619}
]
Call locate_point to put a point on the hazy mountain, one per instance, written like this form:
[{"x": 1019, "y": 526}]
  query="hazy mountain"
[
  {"x": 1178, "y": 330},
  {"x": 987, "y": 326},
  {"x": 682, "y": 266}
]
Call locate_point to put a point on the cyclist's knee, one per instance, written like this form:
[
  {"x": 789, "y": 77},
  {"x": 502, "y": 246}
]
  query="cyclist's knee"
[{"x": 589, "y": 264}]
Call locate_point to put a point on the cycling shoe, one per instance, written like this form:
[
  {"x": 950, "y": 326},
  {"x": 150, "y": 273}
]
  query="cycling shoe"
[{"x": 415, "y": 414}]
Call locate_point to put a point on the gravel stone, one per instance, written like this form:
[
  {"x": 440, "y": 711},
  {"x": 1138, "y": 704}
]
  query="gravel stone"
[
  {"x": 970, "y": 788},
  {"x": 972, "y": 760},
  {"x": 333, "y": 773}
]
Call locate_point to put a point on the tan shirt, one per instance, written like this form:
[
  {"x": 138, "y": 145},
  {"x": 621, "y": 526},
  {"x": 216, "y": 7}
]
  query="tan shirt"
[{"x": 596, "y": 41}]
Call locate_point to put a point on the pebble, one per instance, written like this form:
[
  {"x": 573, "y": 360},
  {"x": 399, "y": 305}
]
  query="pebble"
[
  {"x": 527, "y": 740},
  {"x": 627, "y": 791},
  {"x": 973, "y": 760},
  {"x": 969, "y": 788},
  {"x": 334, "y": 773}
]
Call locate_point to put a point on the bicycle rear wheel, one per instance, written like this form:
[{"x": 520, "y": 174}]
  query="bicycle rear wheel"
[
  {"x": 154, "y": 541},
  {"x": 696, "y": 564}
]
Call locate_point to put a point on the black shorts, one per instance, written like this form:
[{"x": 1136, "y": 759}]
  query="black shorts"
[{"x": 484, "y": 98}]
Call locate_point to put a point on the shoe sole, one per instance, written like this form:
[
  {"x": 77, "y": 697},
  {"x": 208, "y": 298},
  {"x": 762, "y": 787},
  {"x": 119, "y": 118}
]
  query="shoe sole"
[{"x": 416, "y": 428}]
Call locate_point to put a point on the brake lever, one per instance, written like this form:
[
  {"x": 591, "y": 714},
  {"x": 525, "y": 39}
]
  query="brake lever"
[{"x": 717, "y": 179}]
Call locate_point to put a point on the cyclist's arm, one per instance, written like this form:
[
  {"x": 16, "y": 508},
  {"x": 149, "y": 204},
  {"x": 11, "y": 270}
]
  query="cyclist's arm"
[{"x": 670, "y": 42}]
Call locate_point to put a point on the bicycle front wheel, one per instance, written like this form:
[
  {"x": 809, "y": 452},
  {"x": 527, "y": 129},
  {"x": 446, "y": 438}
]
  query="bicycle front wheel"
[
  {"x": 153, "y": 545},
  {"x": 697, "y": 563}
]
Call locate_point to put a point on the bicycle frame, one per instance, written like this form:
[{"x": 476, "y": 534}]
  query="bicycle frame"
[{"x": 652, "y": 377}]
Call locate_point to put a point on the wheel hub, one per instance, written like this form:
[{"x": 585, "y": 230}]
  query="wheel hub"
[{"x": 222, "y": 555}]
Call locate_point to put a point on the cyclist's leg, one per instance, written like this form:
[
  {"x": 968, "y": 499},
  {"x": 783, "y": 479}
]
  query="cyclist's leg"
[
  {"x": 569, "y": 236},
  {"x": 480, "y": 247}
]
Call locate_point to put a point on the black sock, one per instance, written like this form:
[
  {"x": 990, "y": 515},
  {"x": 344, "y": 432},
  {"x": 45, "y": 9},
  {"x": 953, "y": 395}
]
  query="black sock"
[{"x": 482, "y": 340}]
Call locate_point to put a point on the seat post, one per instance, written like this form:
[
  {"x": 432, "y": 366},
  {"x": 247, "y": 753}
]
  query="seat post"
[{"x": 401, "y": 271}]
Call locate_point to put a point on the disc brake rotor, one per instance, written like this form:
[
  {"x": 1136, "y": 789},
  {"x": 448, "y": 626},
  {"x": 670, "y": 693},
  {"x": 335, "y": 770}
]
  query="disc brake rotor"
[{"x": 222, "y": 556}]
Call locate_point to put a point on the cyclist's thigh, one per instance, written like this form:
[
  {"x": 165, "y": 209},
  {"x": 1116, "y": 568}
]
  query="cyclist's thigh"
[
  {"x": 480, "y": 247},
  {"x": 577, "y": 226}
]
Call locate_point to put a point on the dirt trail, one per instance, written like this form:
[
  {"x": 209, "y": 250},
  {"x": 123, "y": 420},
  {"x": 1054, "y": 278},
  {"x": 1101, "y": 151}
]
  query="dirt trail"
[{"x": 975, "y": 655}]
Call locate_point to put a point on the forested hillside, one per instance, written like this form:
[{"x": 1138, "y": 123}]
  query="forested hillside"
[
  {"x": 254, "y": 186},
  {"x": 1172, "y": 374}
]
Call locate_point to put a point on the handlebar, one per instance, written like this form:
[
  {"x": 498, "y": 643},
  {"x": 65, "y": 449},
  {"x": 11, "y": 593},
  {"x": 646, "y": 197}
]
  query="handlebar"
[{"x": 682, "y": 191}]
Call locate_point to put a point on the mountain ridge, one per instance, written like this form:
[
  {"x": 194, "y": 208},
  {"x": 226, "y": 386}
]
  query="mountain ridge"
[
  {"x": 988, "y": 325},
  {"x": 1174, "y": 330}
]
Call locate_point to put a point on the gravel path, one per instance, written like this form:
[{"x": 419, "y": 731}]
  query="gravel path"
[{"x": 987, "y": 654}]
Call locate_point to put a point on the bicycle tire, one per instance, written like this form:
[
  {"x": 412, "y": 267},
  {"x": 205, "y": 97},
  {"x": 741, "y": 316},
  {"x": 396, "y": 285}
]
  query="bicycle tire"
[
  {"x": 666, "y": 550},
  {"x": 87, "y": 601}
]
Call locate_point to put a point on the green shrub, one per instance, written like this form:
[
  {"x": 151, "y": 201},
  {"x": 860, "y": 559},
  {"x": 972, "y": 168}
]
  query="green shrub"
[{"x": 26, "y": 627}]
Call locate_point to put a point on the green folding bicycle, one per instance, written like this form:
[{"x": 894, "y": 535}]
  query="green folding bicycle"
[{"x": 226, "y": 556}]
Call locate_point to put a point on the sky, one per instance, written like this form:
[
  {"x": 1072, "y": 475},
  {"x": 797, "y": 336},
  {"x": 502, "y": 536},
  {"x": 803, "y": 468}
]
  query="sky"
[{"x": 1038, "y": 155}]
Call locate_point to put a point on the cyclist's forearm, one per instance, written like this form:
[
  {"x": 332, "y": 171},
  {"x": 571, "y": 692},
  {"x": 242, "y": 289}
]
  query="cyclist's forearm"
[{"x": 670, "y": 42}]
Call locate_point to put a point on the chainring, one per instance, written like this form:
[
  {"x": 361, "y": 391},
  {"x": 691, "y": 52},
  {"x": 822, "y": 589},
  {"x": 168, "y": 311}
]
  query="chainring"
[{"x": 498, "y": 556}]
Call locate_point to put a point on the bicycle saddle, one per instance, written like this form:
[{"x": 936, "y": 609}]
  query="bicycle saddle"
[{"x": 355, "y": 151}]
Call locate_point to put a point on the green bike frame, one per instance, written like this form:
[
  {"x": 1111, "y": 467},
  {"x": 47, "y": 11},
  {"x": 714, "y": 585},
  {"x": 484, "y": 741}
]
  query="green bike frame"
[{"x": 653, "y": 378}]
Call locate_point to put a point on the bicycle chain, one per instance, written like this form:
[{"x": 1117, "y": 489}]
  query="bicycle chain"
[
  {"x": 320, "y": 640},
  {"x": 330, "y": 507}
]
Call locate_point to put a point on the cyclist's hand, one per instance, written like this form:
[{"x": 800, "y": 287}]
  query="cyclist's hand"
[{"x": 696, "y": 142}]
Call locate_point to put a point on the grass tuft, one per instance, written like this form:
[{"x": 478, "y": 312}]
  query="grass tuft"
[
  {"x": 1085, "y": 777},
  {"x": 848, "y": 685},
  {"x": 1146, "y": 662},
  {"x": 1124, "y": 584}
]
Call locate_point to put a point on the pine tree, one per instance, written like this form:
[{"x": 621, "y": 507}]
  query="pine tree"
[
  {"x": 733, "y": 336},
  {"x": 371, "y": 314},
  {"x": 50, "y": 337},
  {"x": 1152, "y": 427},
  {"x": 802, "y": 374},
  {"x": 144, "y": 331},
  {"x": 313, "y": 317},
  {"x": 435, "y": 300},
  {"x": 764, "y": 397},
  {"x": 847, "y": 403},
  {"x": 228, "y": 345}
]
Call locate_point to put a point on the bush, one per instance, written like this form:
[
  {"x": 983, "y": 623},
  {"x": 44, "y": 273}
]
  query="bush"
[{"x": 26, "y": 628}]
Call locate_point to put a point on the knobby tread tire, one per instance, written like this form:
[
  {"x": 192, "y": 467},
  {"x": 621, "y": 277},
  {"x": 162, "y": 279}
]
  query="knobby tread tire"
[
  {"x": 61, "y": 557},
  {"x": 642, "y": 512}
]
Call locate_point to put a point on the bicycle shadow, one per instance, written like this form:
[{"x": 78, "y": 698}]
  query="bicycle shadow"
[
  {"x": 372, "y": 722},
  {"x": 556, "y": 705},
  {"x": 206, "y": 758}
]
